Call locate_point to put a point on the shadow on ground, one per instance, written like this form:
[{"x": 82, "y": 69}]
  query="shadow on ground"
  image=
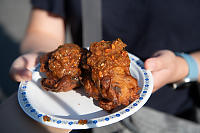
[{"x": 8, "y": 52}]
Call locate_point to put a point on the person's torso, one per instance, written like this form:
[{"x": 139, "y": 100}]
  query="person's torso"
[{"x": 146, "y": 27}]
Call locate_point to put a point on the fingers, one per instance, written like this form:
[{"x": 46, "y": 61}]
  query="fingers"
[
  {"x": 160, "y": 60},
  {"x": 158, "y": 81},
  {"x": 162, "y": 65},
  {"x": 20, "y": 74},
  {"x": 19, "y": 70}
]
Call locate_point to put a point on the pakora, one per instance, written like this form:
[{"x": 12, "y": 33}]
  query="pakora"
[
  {"x": 61, "y": 67},
  {"x": 106, "y": 75}
]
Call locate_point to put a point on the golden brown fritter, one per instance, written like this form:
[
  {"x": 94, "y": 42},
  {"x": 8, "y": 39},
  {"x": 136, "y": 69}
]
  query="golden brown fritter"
[
  {"x": 103, "y": 71},
  {"x": 106, "y": 75},
  {"x": 61, "y": 68}
]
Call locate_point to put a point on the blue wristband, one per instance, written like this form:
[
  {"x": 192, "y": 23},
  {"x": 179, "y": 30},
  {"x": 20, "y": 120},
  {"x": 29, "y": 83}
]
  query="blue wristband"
[{"x": 192, "y": 65}]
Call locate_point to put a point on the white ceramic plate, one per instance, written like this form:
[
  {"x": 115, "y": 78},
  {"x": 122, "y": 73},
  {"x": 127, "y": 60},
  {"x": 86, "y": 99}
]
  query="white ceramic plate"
[{"x": 65, "y": 109}]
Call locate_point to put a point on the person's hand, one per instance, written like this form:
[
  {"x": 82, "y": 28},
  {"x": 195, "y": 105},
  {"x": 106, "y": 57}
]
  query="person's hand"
[
  {"x": 20, "y": 69},
  {"x": 166, "y": 68}
]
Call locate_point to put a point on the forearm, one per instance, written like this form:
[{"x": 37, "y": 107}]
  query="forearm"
[
  {"x": 44, "y": 33},
  {"x": 39, "y": 42}
]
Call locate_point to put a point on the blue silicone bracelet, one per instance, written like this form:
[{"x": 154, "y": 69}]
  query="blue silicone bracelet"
[{"x": 192, "y": 65}]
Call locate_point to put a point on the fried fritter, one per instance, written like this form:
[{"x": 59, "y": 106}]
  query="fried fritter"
[
  {"x": 107, "y": 76},
  {"x": 61, "y": 68},
  {"x": 103, "y": 71}
]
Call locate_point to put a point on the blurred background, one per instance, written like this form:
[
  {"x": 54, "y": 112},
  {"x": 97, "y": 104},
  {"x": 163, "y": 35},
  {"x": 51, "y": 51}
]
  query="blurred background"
[
  {"x": 13, "y": 22},
  {"x": 14, "y": 16}
]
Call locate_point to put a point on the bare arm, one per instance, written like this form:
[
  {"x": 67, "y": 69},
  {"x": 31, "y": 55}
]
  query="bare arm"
[{"x": 45, "y": 33}]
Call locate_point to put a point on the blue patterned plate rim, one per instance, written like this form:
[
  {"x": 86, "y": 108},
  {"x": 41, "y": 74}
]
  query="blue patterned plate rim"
[{"x": 53, "y": 121}]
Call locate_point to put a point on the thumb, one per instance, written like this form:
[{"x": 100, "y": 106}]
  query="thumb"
[
  {"x": 159, "y": 61},
  {"x": 20, "y": 74},
  {"x": 19, "y": 70},
  {"x": 153, "y": 64}
]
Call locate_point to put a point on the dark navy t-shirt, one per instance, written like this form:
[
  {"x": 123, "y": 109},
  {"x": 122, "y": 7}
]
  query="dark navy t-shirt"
[{"x": 146, "y": 27}]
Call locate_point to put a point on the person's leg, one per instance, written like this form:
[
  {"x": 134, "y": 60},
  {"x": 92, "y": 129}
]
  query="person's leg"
[
  {"x": 13, "y": 120},
  {"x": 148, "y": 120},
  {"x": 113, "y": 128},
  {"x": 151, "y": 121}
]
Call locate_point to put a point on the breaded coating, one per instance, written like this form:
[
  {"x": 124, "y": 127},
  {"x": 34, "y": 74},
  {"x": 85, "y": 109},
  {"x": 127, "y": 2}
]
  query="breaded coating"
[
  {"x": 61, "y": 68},
  {"x": 106, "y": 75}
]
